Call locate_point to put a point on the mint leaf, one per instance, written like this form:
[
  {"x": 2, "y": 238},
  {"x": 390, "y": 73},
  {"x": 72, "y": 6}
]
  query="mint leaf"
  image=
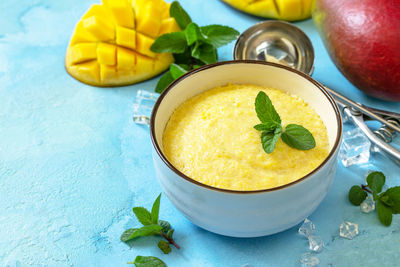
[
  {"x": 143, "y": 215},
  {"x": 164, "y": 246},
  {"x": 392, "y": 199},
  {"x": 174, "y": 42},
  {"x": 265, "y": 110},
  {"x": 357, "y": 195},
  {"x": 266, "y": 126},
  {"x": 205, "y": 53},
  {"x": 165, "y": 225},
  {"x": 177, "y": 70},
  {"x": 375, "y": 181},
  {"x": 170, "y": 233},
  {"x": 218, "y": 35},
  {"x": 146, "y": 230},
  {"x": 269, "y": 139},
  {"x": 298, "y": 137},
  {"x": 192, "y": 33},
  {"x": 384, "y": 213},
  {"x": 155, "y": 209},
  {"x": 179, "y": 14},
  {"x": 148, "y": 261},
  {"x": 164, "y": 81},
  {"x": 126, "y": 235}
]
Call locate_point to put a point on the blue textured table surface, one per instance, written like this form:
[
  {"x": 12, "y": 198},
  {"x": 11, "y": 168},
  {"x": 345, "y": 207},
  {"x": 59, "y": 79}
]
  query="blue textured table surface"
[{"x": 73, "y": 164}]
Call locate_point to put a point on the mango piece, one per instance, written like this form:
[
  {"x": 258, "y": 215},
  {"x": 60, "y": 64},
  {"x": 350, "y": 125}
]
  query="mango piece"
[
  {"x": 290, "y": 10},
  {"x": 143, "y": 44},
  {"x": 108, "y": 48},
  {"x": 122, "y": 12},
  {"x": 107, "y": 54},
  {"x": 168, "y": 25},
  {"x": 99, "y": 28},
  {"x": 82, "y": 52},
  {"x": 81, "y": 35},
  {"x": 126, "y": 59},
  {"x": 126, "y": 37},
  {"x": 88, "y": 72},
  {"x": 107, "y": 72},
  {"x": 149, "y": 21}
]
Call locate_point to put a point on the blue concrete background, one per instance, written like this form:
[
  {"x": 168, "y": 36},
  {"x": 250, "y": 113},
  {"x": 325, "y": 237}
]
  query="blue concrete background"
[{"x": 72, "y": 163}]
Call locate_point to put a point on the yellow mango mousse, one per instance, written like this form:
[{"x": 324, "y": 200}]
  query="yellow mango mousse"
[{"x": 211, "y": 139}]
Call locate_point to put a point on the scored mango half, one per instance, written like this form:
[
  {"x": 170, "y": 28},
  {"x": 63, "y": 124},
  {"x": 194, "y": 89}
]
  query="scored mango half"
[
  {"x": 111, "y": 43},
  {"x": 290, "y": 10}
]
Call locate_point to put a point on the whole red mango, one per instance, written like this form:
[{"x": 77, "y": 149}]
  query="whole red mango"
[{"x": 363, "y": 40}]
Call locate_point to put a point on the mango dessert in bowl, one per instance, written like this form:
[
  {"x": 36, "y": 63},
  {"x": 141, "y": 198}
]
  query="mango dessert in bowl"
[{"x": 245, "y": 148}]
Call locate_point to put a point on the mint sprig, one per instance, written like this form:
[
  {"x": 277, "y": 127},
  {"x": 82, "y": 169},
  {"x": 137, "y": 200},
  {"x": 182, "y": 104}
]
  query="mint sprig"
[
  {"x": 295, "y": 136},
  {"x": 151, "y": 226},
  {"x": 148, "y": 261},
  {"x": 192, "y": 47},
  {"x": 387, "y": 203}
]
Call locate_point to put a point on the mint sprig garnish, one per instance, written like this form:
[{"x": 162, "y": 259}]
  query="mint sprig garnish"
[
  {"x": 295, "y": 136},
  {"x": 387, "y": 203},
  {"x": 192, "y": 47},
  {"x": 151, "y": 226},
  {"x": 148, "y": 261}
]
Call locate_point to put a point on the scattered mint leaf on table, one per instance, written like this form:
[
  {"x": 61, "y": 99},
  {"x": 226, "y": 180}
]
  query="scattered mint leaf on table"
[
  {"x": 192, "y": 47},
  {"x": 151, "y": 225},
  {"x": 387, "y": 203},
  {"x": 357, "y": 195},
  {"x": 155, "y": 210},
  {"x": 148, "y": 261},
  {"x": 375, "y": 181},
  {"x": 164, "y": 246},
  {"x": 384, "y": 213},
  {"x": 295, "y": 136},
  {"x": 143, "y": 215}
]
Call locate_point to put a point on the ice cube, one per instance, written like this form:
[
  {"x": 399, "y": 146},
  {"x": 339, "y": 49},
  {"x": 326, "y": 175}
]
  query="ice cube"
[
  {"x": 309, "y": 260},
  {"x": 307, "y": 228},
  {"x": 348, "y": 230},
  {"x": 143, "y": 106},
  {"x": 355, "y": 148},
  {"x": 315, "y": 243},
  {"x": 368, "y": 204}
]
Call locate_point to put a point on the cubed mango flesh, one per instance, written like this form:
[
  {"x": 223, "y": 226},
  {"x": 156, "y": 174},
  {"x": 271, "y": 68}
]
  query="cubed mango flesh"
[
  {"x": 290, "y": 10},
  {"x": 111, "y": 43}
]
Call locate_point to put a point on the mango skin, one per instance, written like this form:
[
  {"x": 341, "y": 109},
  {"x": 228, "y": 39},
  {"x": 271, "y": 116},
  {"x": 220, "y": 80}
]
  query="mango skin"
[
  {"x": 108, "y": 49},
  {"x": 289, "y": 10},
  {"x": 363, "y": 40}
]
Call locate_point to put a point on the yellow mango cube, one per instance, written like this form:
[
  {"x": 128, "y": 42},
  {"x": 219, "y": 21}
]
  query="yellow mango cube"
[
  {"x": 101, "y": 11},
  {"x": 169, "y": 25},
  {"x": 126, "y": 59},
  {"x": 149, "y": 20},
  {"x": 126, "y": 37},
  {"x": 289, "y": 9},
  {"x": 122, "y": 12},
  {"x": 88, "y": 71},
  {"x": 99, "y": 28},
  {"x": 143, "y": 44},
  {"x": 107, "y": 54},
  {"x": 144, "y": 64},
  {"x": 81, "y": 35},
  {"x": 83, "y": 52},
  {"x": 107, "y": 73}
]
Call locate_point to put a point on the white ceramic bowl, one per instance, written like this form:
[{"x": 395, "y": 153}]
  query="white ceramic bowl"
[{"x": 246, "y": 213}]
